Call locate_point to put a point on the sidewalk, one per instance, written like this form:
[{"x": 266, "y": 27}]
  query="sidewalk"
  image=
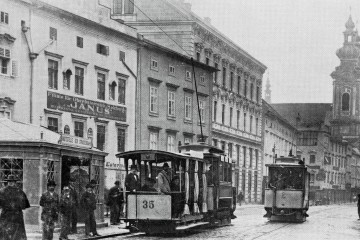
[{"x": 104, "y": 229}]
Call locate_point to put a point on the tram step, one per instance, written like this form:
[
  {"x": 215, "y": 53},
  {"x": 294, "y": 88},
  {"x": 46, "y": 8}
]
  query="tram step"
[{"x": 192, "y": 225}]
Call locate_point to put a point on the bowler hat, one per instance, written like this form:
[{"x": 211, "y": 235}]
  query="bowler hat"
[
  {"x": 117, "y": 182},
  {"x": 11, "y": 178},
  {"x": 93, "y": 181},
  {"x": 51, "y": 183},
  {"x": 165, "y": 165}
]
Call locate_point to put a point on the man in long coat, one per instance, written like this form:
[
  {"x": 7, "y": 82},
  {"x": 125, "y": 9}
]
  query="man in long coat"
[
  {"x": 50, "y": 203},
  {"x": 66, "y": 207},
  {"x": 12, "y": 201},
  {"x": 88, "y": 203},
  {"x": 163, "y": 179},
  {"x": 115, "y": 201}
]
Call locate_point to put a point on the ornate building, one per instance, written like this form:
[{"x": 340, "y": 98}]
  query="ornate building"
[{"x": 237, "y": 86}]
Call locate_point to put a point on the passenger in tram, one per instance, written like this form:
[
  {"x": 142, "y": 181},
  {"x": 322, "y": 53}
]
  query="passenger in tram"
[
  {"x": 211, "y": 175},
  {"x": 178, "y": 197},
  {"x": 149, "y": 185},
  {"x": 163, "y": 179},
  {"x": 132, "y": 179}
]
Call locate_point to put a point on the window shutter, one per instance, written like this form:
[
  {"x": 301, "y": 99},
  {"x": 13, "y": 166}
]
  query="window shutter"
[{"x": 14, "y": 68}]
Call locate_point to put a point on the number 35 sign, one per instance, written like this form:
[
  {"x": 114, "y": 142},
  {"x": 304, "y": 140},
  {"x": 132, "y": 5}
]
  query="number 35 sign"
[{"x": 149, "y": 206}]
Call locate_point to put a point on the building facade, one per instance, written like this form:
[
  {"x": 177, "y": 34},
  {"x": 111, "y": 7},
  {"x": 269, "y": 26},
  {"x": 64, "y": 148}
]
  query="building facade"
[
  {"x": 237, "y": 86},
  {"x": 173, "y": 92},
  {"x": 279, "y": 138},
  {"x": 72, "y": 73}
]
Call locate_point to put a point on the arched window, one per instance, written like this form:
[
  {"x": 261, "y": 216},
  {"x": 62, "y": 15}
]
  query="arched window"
[
  {"x": 345, "y": 100},
  {"x": 112, "y": 87},
  {"x": 66, "y": 129}
]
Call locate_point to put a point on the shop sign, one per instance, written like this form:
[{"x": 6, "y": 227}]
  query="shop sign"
[
  {"x": 113, "y": 165},
  {"x": 67, "y": 103},
  {"x": 75, "y": 141}
]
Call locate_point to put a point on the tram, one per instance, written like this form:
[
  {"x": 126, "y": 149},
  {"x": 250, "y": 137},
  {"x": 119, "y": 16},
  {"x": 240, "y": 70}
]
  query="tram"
[
  {"x": 204, "y": 196},
  {"x": 287, "y": 191}
]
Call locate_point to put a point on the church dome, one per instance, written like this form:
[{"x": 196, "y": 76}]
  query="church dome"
[{"x": 348, "y": 51}]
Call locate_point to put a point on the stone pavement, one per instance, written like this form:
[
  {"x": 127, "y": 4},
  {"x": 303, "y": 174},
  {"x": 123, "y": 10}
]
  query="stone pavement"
[{"x": 104, "y": 229}]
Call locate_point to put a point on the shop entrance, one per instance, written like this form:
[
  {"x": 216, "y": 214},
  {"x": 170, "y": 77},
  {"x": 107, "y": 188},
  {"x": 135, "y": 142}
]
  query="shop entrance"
[{"x": 78, "y": 169}]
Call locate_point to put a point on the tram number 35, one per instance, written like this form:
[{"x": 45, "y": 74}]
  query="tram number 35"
[{"x": 148, "y": 204}]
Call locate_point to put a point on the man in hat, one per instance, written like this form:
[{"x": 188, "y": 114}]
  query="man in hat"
[
  {"x": 149, "y": 185},
  {"x": 12, "y": 201},
  {"x": 132, "y": 180},
  {"x": 74, "y": 196},
  {"x": 163, "y": 179},
  {"x": 88, "y": 203},
  {"x": 115, "y": 201},
  {"x": 67, "y": 203},
  {"x": 50, "y": 203}
]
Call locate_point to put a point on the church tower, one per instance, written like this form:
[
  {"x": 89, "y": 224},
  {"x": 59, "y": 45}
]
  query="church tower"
[
  {"x": 346, "y": 86},
  {"x": 268, "y": 91}
]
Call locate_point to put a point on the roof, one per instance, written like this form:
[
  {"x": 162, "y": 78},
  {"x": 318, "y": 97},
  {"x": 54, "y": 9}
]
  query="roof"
[
  {"x": 269, "y": 110},
  {"x": 307, "y": 113}
]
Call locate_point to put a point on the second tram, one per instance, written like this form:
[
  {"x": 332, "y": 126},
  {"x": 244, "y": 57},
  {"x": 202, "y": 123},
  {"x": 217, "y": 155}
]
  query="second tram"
[
  {"x": 287, "y": 191},
  {"x": 203, "y": 196}
]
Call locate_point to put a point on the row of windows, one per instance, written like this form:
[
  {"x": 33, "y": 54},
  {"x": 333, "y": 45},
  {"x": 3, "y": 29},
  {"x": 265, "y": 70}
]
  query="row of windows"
[
  {"x": 238, "y": 119},
  {"x": 239, "y": 159},
  {"x": 171, "y": 141},
  {"x": 79, "y": 130},
  {"x": 172, "y": 103},
  {"x": 188, "y": 74},
  {"x": 79, "y": 81}
]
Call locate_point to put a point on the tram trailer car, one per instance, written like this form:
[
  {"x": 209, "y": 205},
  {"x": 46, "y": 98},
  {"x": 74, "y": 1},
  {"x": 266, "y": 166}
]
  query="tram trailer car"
[
  {"x": 204, "y": 198},
  {"x": 287, "y": 191}
]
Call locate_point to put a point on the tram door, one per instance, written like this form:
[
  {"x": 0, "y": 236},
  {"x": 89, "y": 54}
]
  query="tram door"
[{"x": 79, "y": 170}]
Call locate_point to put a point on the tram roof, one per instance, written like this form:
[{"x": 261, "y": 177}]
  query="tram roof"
[{"x": 136, "y": 153}]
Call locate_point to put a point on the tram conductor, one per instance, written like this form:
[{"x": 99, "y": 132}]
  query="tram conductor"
[{"x": 132, "y": 179}]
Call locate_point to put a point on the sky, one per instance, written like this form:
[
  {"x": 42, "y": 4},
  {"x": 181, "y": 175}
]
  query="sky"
[{"x": 296, "y": 39}]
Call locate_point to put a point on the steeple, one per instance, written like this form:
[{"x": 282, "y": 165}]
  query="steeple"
[{"x": 268, "y": 90}]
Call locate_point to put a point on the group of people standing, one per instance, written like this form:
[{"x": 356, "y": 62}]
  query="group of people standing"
[{"x": 66, "y": 207}]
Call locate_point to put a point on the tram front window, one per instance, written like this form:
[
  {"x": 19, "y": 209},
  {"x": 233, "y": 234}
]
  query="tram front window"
[{"x": 286, "y": 178}]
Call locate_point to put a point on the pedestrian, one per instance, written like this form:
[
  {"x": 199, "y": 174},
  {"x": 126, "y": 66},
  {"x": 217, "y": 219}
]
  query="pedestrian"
[
  {"x": 234, "y": 203},
  {"x": 115, "y": 201},
  {"x": 12, "y": 202},
  {"x": 67, "y": 203},
  {"x": 50, "y": 203},
  {"x": 163, "y": 179},
  {"x": 88, "y": 203},
  {"x": 358, "y": 205},
  {"x": 149, "y": 185},
  {"x": 132, "y": 179},
  {"x": 240, "y": 198},
  {"x": 74, "y": 196}
]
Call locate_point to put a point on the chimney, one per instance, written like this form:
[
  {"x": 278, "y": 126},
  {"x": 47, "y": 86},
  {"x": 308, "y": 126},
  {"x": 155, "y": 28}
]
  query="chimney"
[{"x": 207, "y": 20}]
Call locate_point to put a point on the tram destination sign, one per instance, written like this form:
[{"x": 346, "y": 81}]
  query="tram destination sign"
[{"x": 72, "y": 104}]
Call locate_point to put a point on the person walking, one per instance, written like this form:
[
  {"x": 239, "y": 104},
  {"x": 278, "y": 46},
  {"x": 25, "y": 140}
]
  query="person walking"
[
  {"x": 50, "y": 203},
  {"x": 115, "y": 201},
  {"x": 358, "y": 205},
  {"x": 74, "y": 196},
  {"x": 12, "y": 202},
  {"x": 67, "y": 203},
  {"x": 240, "y": 198},
  {"x": 88, "y": 203},
  {"x": 132, "y": 180},
  {"x": 163, "y": 179}
]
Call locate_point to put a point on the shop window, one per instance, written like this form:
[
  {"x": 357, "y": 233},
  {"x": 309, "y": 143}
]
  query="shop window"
[
  {"x": 67, "y": 129},
  {"x": 79, "y": 129},
  {"x": 53, "y": 124},
  {"x": 4, "y": 17},
  {"x": 101, "y": 86},
  {"x": 121, "y": 140},
  {"x": 112, "y": 88},
  {"x": 79, "y": 80},
  {"x": 53, "y": 74},
  {"x": 122, "y": 91},
  {"x": 100, "y": 137},
  {"x": 12, "y": 166},
  {"x": 79, "y": 42}
]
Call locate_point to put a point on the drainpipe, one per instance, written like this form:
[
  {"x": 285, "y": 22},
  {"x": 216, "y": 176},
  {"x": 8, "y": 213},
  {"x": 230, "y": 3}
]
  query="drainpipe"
[{"x": 33, "y": 56}]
